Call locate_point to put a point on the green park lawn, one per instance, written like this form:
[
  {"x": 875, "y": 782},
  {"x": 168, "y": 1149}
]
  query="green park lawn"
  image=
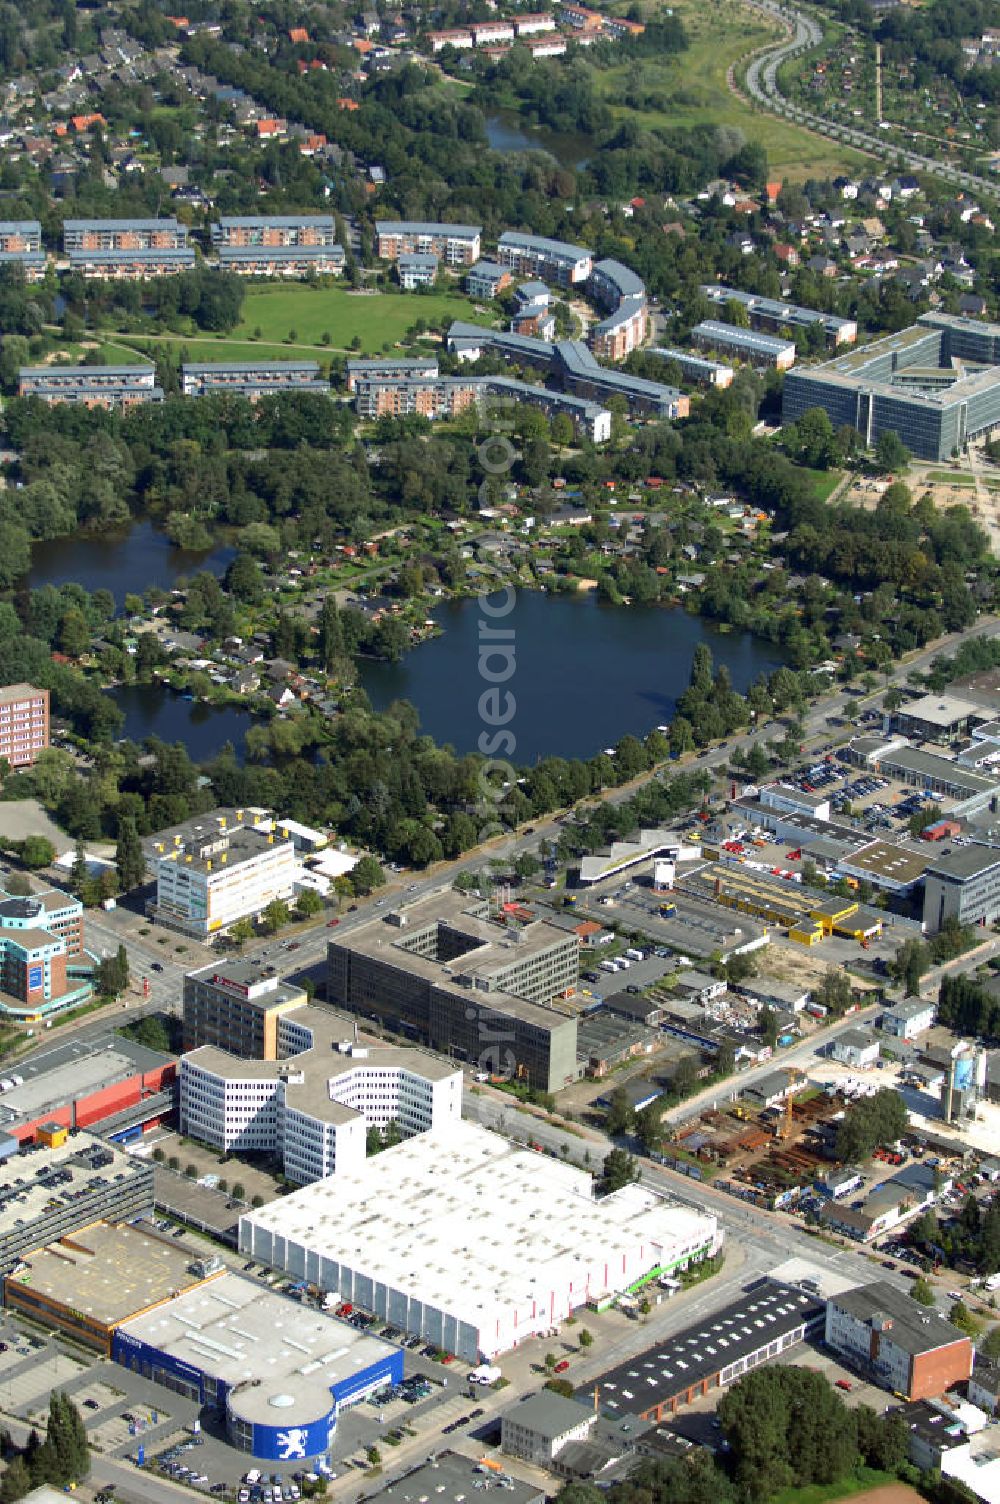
[
  {"x": 695, "y": 91},
  {"x": 376, "y": 319}
]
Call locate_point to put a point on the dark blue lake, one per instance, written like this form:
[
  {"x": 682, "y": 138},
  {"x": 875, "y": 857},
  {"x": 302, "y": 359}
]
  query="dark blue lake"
[{"x": 584, "y": 674}]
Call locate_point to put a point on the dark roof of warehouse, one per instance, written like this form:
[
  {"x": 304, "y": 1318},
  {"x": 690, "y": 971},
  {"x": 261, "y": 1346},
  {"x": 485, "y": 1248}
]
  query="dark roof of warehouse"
[{"x": 761, "y": 1315}]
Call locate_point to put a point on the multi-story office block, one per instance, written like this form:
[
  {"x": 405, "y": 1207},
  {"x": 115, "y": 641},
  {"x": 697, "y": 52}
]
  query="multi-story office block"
[
  {"x": 902, "y": 1346},
  {"x": 42, "y": 964},
  {"x": 963, "y": 884},
  {"x": 442, "y": 971},
  {"x": 215, "y": 869},
  {"x": 936, "y": 385},
  {"x": 236, "y": 1006},
  {"x": 455, "y": 245},
  {"x": 24, "y": 723},
  {"x": 313, "y": 1106}
]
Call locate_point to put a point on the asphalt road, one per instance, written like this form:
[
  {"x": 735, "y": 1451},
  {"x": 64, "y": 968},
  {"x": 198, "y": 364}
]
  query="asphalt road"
[{"x": 762, "y": 86}]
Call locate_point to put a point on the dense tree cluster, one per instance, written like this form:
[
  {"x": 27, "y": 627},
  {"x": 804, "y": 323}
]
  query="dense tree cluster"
[
  {"x": 869, "y": 1122},
  {"x": 786, "y": 1427},
  {"x": 969, "y": 1008},
  {"x": 61, "y": 1460},
  {"x": 972, "y": 1237}
]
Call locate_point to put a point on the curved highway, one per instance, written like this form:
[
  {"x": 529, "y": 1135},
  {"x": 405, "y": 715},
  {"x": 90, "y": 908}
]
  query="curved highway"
[{"x": 762, "y": 87}]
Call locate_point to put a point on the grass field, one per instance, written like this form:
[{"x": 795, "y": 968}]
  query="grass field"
[
  {"x": 950, "y": 478},
  {"x": 207, "y": 348},
  {"x": 695, "y": 91},
  {"x": 374, "y": 318}
]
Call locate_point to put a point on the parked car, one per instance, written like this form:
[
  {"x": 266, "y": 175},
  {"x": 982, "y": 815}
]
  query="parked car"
[{"x": 561, "y": 1367}]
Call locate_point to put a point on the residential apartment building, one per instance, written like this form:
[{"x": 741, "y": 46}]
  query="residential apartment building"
[
  {"x": 85, "y": 235},
  {"x": 775, "y": 316},
  {"x": 488, "y": 33},
  {"x": 90, "y": 386},
  {"x": 24, "y": 723},
  {"x": 416, "y": 269},
  {"x": 554, "y": 46},
  {"x": 252, "y": 379},
  {"x": 215, "y": 869},
  {"x": 904, "y": 1347},
  {"x": 531, "y": 25},
  {"x": 313, "y": 1106},
  {"x": 581, "y": 374},
  {"x": 551, "y": 260},
  {"x": 962, "y": 884},
  {"x": 399, "y": 396},
  {"x": 486, "y": 280},
  {"x": 278, "y": 245},
  {"x": 455, "y": 245},
  {"x": 573, "y": 365},
  {"x": 696, "y": 367},
  {"x": 132, "y": 265},
  {"x": 359, "y": 372},
  {"x": 442, "y": 971},
  {"x": 282, "y": 260},
  {"x": 235, "y": 1006},
  {"x": 744, "y": 344},
  {"x": 616, "y": 287},
  {"x": 447, "y": 396},
  {"x": 304, "y": 231},
  {"x": 21, "y": 245},
  {"x": 127, "y": 249},
  {"x": 454, "y": 36}
]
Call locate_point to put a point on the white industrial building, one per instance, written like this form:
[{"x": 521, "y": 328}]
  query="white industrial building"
[
  {"x": 313, "y": 1107},
  {"x": 462, "y": 1239}
]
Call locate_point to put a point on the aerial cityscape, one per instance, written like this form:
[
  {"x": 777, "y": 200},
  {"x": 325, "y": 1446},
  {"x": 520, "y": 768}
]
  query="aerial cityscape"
[{"x": 500, "y": 752}]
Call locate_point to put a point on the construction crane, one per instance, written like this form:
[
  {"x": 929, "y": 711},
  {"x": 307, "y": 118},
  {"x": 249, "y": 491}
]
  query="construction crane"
[{"x": 794, "y": 1074}]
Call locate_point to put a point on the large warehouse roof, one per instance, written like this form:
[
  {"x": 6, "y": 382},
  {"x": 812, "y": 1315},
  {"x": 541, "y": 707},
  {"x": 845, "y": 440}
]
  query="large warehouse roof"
[{"x": 461, "y": 1220}]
